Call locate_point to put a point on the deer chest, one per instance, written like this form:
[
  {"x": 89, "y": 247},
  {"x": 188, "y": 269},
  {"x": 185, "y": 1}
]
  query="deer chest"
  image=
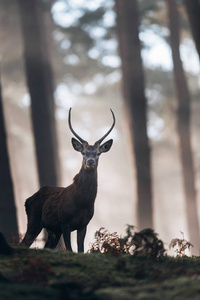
[{"x": 81, "y": 219}]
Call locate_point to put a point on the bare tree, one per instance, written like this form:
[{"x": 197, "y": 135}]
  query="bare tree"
[
  {"x": 183, "y": 127},
  {"x": 8, "y": 215},
  {"x": 40, "y": 85},
  {"x": 133, "y": 86}
]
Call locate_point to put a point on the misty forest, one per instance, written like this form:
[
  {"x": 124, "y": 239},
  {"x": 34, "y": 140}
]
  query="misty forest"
[{"x": 141, "y": 60}]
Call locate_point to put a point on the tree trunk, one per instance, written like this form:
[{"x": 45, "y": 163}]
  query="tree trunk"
[
  {"x": 8, "y": 215},
  {"x": 40, "y": 85},
  {"x": 133, "y": 85},
  {"x": 183, "y": 127},
  {"x": 5, "y": 247},
  {"x": 193, "y": 11}
]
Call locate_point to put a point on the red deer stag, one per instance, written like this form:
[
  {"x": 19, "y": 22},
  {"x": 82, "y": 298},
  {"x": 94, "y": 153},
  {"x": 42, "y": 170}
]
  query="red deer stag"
[{"x": 61, "y": 210}]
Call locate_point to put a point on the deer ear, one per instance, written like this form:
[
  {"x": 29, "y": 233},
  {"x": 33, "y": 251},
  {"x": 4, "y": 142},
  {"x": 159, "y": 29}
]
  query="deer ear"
[
  {"x": 106, "y": 146},
  {"x": 77, "y": 145}
]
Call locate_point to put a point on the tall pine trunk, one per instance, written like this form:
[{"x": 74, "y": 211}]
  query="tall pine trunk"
[
  {"x": 183, "y": 127},
  {"x": 193, "y": 11},
  {"x": 133, "y": 86},
  {"x": 8, "y": 214},
  {"x": 40, "y": 84}
]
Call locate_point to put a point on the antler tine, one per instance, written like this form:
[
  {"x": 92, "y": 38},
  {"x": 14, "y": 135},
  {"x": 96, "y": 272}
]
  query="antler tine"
[
  {"x": 72, "y": 130},
  {"x": 111, "y": 128}
]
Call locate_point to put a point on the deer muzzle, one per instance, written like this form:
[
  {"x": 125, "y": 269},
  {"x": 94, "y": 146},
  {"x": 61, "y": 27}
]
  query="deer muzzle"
[{"x": 90, "y": 163}]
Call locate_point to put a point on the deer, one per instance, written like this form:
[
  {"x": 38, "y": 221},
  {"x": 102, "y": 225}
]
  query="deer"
[{"x": 61, "y": 210}]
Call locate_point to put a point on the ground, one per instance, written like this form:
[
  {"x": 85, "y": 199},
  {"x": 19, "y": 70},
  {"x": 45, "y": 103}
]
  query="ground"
[{"x": 56, "y": 274}]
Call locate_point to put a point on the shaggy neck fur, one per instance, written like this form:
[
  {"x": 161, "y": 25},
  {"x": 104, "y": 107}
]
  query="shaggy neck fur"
[{"x": 86, "y": 183}]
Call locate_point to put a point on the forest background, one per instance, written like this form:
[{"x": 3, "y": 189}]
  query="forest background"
[{"x": 71, "y": 53}]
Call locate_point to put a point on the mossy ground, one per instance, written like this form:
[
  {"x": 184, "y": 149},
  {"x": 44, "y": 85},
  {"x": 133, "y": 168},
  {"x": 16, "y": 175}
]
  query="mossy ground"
[{"x": 45, "y": 274}]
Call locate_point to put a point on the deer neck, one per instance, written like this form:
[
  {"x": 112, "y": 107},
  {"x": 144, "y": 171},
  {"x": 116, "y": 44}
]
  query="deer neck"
[{"x": 86, "y": 183}]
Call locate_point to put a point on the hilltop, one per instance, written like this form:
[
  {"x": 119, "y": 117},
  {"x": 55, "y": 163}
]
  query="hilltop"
[{"x": 55, "y": 274}]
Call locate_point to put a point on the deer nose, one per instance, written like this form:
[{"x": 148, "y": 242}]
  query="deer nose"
[{"x": 90, "y": 162}]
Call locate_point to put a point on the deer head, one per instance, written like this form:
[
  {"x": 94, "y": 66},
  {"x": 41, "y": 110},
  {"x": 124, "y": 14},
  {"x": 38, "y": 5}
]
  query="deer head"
[{"x": 91, "y": 153}]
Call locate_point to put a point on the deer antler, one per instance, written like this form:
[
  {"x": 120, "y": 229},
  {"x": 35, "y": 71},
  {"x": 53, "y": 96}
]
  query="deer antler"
[
  {"x": 111, "y": 128},
  {"x": 72, "y": 130}
]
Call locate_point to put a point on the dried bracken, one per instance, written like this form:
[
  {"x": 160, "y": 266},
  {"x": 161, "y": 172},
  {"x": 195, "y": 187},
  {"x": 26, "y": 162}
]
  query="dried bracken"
[
  {"x": 143, "y": 243},
  {"x": 106, "y": 242},
  {"x": 181, "y": 245}
]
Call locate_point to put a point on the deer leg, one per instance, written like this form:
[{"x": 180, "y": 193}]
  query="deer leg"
[
  {"x": 80, "y": 239},
  {"x": 31, "y": 234},
  {"x": 67, "y": 237},
  {"x": 53, "y": 239}
]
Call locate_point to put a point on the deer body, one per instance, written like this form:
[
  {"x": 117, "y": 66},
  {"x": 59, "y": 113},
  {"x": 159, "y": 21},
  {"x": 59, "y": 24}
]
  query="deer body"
[{"x": 62, "y": 210}]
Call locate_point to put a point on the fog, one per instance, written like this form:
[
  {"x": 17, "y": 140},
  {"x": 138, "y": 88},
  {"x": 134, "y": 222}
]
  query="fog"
[{"x": 91, "y": 100}]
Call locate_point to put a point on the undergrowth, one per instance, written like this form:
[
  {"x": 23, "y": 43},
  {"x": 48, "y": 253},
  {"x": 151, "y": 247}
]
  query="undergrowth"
[
  {"x": 134, "y": 266},
  {"x": 143, "y": 243},
  {"x": 180, "y": 246}
]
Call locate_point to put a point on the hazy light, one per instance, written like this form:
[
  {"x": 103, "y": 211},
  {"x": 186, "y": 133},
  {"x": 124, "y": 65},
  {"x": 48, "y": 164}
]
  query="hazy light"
[
  {"x": 60, "y": 113},
  {"x": 58, "y": 36},
  {"x": 160, "y": 55},
  {"x": 25, "y": 100},
  {"x": 155, "y": 126},
  {"x": 76, "y": 3},
  {"x": 76, "y": 89},
  {"x": 94, "y": 53},
  {"x": 189, "y": 56},
  {"x": 71, "y": 163},
  {"x": 154, "y": 95},
  {"x": 158, "y": 52},
  {"x": 63, "y": 96},
  {"x": 67, "y": 13},
  {"x": 89, "y": 4},
  {"x": 93, "y": 5},
  {"x": 109, "y": 19},
  {"x": 63, "y": 16},
  {"x": 89, "y": 88},
  {"x": 66, "y": 44},
  {"x": 99, "y": 79},
  {"x": 114, "y": 134},
  {"x": 109, "y": 45},
  {"x": 71, "y": 59},
  {"x": 59, "y": 6},
  {"x": 113, "y": 77},
  {"x": 112, "y": 61},
  {"x": 97, "y": 32}
]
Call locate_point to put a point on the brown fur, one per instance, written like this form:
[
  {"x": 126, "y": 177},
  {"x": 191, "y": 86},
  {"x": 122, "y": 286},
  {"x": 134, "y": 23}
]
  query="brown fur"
[{"x": 56, "y": 208}]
